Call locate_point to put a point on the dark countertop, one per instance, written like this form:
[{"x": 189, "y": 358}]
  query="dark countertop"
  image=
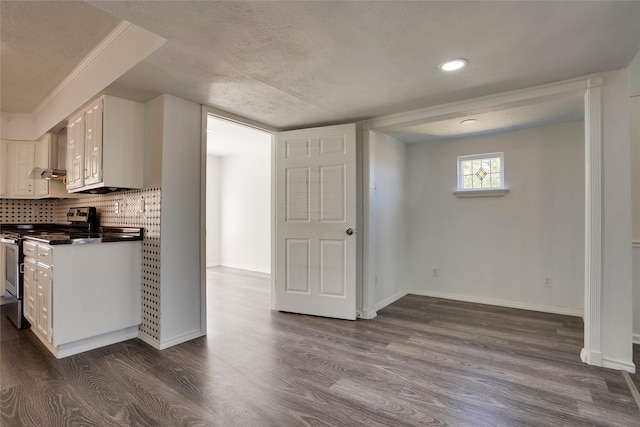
[{"x": 106, "y": 235}]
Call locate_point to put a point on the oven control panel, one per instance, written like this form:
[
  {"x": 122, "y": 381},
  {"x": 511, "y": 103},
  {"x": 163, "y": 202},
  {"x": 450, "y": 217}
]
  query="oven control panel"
[{"x": 81, "y": 214}]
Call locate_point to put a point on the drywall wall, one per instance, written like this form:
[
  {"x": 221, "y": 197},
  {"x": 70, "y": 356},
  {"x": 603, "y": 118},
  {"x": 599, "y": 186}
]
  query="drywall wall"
[
  {"x": 387, "y": 219},
  {"x": 180, "y": 289},
  {"x": 213, "y": 211},
  {"x": 634, "y": 102},
  {"x": 245, "y": 208},
  {"x": 617, "y": 315},
  {"x": 500, "y": 249}
]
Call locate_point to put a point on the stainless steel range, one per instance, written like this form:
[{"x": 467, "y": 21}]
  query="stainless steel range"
[{"x": 82, "y": 220}]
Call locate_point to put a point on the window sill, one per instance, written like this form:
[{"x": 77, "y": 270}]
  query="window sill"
[{"x": 481, "y": 193}]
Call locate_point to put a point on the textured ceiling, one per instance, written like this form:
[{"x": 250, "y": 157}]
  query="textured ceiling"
[
  {"x": 41, "y": 43},
  {"x": 295, "y": 64},
  {"x": 303, "y": 63}
]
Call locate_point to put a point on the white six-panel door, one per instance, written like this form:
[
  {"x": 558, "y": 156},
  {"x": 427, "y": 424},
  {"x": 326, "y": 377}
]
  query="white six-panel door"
[{"x": 316, "y": 221}]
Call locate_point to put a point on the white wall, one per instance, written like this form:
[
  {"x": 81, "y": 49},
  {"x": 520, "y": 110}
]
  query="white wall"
[
  {"x": 180, "y": 286},
  {"x": 238, "y": 197},
  {"x": 245, "y": 208},
  {"x": 634, "y": 92},
  {"x": 213, "y": 211},
  {"x": 617, "y": 308},
  {"x": 500, "y": 249},
  {"x": 388, "y": 219}
]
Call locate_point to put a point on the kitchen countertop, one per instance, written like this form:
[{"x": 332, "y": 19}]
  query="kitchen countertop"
[{"x": 106, "y": 235}]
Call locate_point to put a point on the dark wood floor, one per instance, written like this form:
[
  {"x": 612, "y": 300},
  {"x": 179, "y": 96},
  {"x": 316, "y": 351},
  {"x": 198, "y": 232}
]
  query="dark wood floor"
[{"x": 422, "y": 361}]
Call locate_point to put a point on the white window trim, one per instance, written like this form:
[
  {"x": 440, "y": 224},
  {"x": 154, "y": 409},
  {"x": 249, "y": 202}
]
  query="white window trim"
[{"x": 480, "y": 192}]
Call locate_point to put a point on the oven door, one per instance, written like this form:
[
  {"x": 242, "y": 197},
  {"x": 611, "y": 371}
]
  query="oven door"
[{"x": 12, "y": 268}]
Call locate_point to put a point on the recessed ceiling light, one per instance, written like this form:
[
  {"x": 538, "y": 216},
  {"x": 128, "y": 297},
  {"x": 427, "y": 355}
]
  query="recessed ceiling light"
[
  {"x": 469, "y": 122},
  {"x": 453, "y": 65}
]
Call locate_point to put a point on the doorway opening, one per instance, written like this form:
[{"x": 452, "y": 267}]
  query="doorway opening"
[{"x": 238, "y": 198}]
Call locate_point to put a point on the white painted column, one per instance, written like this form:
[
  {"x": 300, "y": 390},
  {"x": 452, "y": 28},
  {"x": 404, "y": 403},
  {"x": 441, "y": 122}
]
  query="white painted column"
[{"x": 592, "y": 351}]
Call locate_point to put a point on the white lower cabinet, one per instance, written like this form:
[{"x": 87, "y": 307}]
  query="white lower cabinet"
[{"x": 81, "y": 297}]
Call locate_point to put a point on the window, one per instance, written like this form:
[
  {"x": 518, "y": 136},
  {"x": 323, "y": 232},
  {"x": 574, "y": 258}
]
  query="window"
[{"x": 481, "y": 172}]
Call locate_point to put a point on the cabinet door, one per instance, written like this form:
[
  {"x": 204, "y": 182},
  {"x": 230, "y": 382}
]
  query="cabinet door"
[
  {"x": 23, "y": 156},
  {"x": 43, "y": 301},
  {"x": 75, "y": 152},
  {"x": 93, "y": 144},
  {"x": 30, "y": 290},
  {"x": 4, "y": 170},
  {"x": 43, "y": 147}
]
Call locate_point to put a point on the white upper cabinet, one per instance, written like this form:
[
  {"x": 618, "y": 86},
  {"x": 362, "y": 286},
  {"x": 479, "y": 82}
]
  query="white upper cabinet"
[
  {"x": 105, "y": 142},
  {"x": 20, "y": 165},
  {"x": 22, "y": 157},
  {"x": 75, "y": 152},
  {"x": 4, "y": 154}
]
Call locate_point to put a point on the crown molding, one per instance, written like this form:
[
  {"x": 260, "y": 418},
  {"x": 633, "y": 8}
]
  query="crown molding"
[{"x": 112, "y": 38}]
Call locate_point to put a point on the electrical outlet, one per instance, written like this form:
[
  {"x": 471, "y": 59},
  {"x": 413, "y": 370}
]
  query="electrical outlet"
[
  {"x": 117, "y": 207},
  {"x": 376, "y": 280},
  {"x": 435, "y": 272},
  {"x": 547, "y": 282}
]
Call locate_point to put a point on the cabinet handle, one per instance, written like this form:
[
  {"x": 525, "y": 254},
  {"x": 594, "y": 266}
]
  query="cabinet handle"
[{"x": 42, "y": 254}]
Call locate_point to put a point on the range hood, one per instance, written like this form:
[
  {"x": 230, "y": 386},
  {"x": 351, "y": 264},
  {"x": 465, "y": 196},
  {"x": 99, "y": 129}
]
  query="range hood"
[{"x": 57, "y": 174}]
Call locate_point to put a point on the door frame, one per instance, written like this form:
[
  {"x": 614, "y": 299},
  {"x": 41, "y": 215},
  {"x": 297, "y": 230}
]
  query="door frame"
[
  {"x": 591, "y": 88},
  {"x": 206, "y": 112}
]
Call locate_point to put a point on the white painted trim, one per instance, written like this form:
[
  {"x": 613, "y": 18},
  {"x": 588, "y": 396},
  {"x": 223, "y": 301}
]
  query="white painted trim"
[
  {"x": 112, "y": 38},
  {"x": 568, "y": 311},
  {"x": 481, "y": 193},
  {"x": 393, "y": 298},
  {"x": 246, "y": 268},
  {"x": 149, "y": 340},
  {"x": 368, "y": 244},
  {"x": 179, "y": 339},
  {"x": 367, "y": 314},
  {"x": 636, "y": 338},
  {"x": 479, "y": 105},
  {"x": 619, "y": 365},
  {"x": 203, "y": 221},
  {"x": 80, "y": 346},
  {"x": 593, "y": 224}
]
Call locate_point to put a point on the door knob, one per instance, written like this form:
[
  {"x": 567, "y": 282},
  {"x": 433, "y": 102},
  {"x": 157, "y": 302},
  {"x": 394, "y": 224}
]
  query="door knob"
[{"x": 350, "y": 231}]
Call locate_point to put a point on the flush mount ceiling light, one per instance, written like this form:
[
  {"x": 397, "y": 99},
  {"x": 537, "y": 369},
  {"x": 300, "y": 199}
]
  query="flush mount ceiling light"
[
  {"x": 453, "y": 65},
  {"x": 469, "y": 122}
]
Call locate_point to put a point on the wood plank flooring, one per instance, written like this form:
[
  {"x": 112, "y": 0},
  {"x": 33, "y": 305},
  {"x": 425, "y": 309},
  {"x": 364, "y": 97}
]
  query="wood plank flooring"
[{"x": 422, "y": 361}]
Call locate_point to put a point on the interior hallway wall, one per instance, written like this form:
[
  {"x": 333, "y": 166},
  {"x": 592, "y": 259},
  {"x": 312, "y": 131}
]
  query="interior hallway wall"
[
  {"x": 213, "y": 211},
  {"x": 239, "y": 198},
  {"x": 388, "y": 219},
  {"x": 500, "y": 249}
]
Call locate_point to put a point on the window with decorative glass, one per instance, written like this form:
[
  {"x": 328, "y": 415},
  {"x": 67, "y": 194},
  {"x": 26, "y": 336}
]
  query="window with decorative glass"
[{"x": 481, "y": 172}]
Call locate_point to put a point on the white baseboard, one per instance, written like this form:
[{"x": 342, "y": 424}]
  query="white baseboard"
[
  {"x": 86, "y": 344},
  {"x": 636, "y": 338},
  {"x": 366, "y": 314},
  {"x": 149, "y": 340},
  {"x": 501, "y": 303},
  {"x": 620, "y": 365},
  {"x": 180, "y": 339},
  {"x": 246, "y": 267},
  {"x": 390, "y": 300}
]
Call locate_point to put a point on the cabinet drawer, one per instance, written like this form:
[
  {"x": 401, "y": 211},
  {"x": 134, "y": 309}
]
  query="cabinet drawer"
[
  {"x": 44, "y": 254},
  {"x": 30, "y": 249}
]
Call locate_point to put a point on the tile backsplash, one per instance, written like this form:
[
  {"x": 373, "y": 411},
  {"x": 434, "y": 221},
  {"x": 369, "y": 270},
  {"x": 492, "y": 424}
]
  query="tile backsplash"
[{"x": 14, "y": 211}]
